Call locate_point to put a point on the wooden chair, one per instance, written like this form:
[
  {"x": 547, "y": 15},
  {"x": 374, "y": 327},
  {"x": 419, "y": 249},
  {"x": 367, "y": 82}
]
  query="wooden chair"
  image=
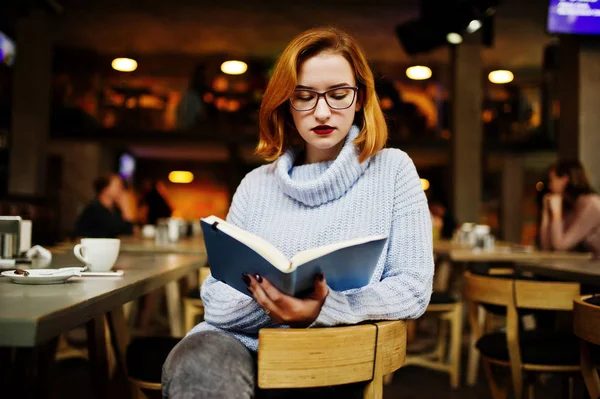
[
  {"x": 449, "y": 312},
  {"x": 321, "y": 357},
  {"x": 192, "y": 304},
  {"x": 489, "y": 316},
  {"x": 586, "y": 325},
  {"x": 144, "y": 360},
  {"x": 522, "y": 351}
]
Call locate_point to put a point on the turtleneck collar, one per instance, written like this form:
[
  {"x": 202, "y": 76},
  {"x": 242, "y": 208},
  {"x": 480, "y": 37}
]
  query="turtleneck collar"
[{"x": 322, "y": 182}]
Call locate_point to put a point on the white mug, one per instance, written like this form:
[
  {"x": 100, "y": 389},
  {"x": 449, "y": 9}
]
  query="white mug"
[{"x": 100, "y": 254}]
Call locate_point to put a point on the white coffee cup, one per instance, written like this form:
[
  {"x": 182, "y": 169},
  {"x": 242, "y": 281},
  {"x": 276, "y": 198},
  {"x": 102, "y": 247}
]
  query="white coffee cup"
[{"x": 100, "y": 254}]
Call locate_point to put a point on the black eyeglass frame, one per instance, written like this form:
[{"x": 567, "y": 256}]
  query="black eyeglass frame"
[{"x": 324, "y": 95}]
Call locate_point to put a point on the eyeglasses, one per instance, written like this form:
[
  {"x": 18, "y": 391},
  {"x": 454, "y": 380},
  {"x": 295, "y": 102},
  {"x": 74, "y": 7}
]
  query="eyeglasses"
[{"x": 337, "y": 98}]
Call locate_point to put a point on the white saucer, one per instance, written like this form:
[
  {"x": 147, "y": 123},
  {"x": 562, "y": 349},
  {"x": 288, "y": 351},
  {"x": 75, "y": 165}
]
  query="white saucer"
[{"x": 43, "y": 276}]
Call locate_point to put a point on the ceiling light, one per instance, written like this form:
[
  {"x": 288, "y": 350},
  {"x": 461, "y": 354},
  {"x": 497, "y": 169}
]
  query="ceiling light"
[
  {"x": 501, "y": 76},
  {"x": 418, "y": 72},
  {"x": 181, "y": 176},
  {"x": 234, "y": 67},
  {"x": 124, "y": 64},
  {"x": 474, "y": 26},
  {"x": 454, "y": 38},
  {"x": 425, "y": 184}
]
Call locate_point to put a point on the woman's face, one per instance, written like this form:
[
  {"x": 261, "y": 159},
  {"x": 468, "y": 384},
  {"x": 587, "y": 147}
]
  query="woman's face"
[
  {"x": 323, "y": 128},
  {"x": 115, "y": 188},
  {"x": 557, "y": 184}
]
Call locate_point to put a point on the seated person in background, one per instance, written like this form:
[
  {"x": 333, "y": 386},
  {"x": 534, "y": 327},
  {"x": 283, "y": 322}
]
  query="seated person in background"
[
  {"x": 154, "y": 203},
  {"x": 110, "y": 214},
  {"x": 571, "y": 211}
]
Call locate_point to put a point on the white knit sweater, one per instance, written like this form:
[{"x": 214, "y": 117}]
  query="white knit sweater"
[{"x": 302, "y": 207}]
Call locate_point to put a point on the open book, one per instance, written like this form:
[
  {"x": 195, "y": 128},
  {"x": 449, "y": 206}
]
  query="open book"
[{"x": 233, "y": 251}]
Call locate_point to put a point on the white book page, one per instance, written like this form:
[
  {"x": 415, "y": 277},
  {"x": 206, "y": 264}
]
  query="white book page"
[
  {"x": 310, "y": 254},
  {"x": 258, "y": 244}
]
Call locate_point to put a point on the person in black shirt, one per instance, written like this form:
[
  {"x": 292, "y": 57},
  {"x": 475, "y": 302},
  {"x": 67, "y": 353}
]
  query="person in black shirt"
[
  {"x": 109, "y": 215},
  {"x": 154, "y": 204}
]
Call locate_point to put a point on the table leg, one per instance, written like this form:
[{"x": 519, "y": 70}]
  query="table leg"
[
  {"x": 128, "y": 309},
  {"x": 31, "y": 375},
  {"x": 46, "y": 368},
  {"x": 119, "y": 332},
  {"x": 96, "y": 334},
  {"x": 174, "y": 309},
  {"x": 6, "y": 360}
]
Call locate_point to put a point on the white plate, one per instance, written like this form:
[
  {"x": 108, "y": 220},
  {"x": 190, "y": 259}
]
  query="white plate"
[{"x": 44, "y": 276}]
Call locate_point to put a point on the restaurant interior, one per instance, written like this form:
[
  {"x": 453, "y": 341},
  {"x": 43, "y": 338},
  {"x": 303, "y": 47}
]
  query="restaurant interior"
[{"x": 495, "y": 101}]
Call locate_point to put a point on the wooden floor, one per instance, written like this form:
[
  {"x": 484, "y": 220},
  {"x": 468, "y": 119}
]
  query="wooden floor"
[{"x": 72, "y": 382}]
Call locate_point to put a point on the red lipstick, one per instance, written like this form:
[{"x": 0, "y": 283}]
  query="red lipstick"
[{"x": 323, "y": 130}]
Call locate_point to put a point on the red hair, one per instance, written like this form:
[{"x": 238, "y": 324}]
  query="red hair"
[{"x": 277, "y": 129}]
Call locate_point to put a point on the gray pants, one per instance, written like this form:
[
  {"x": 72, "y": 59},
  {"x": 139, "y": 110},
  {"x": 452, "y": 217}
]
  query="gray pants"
[{"x": 215, "y": 365}]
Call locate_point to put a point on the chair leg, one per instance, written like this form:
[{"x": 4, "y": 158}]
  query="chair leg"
[
  {"x": 442, "y": 276},
  {"x": 531, "y": 390},
  {"x": 137, "y": 393},
  {"x": 411, "y": 330},
  {"x": 496, "y": 391},
  {"x": 590, "y": 375},
  {"x": 455, "y": 346},
  {"x": 568, "y": 388},
  {"x": 517, "y": 381},
  {"x": 374, "y": 389},
  {"x": 473, "y": 362},
  {"x": 440, "y": 349},
  {"x": 96, "y": 335},
  {"x": 190, "y": 313},
  {"x": 387, "y": 379}
]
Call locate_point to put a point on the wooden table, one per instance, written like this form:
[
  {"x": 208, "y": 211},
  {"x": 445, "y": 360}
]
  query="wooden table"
[
  {"x": 32, "y": 314},
  {"x": 585, "y": 272},
  {"x": 138, "y": 246},
  {"x": 190, "y": 246},
  {"x": 509, "y": 255},
  {"x": 35, "y": 315},
  {"x": 503, "y": 252}
]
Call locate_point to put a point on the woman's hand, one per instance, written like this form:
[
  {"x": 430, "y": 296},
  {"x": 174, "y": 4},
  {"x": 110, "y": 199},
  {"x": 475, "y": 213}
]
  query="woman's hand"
[
  {"x": 126, "y": 202},
  {"x": 285, "y": 309},
  {"x": 555, "y": 204}
]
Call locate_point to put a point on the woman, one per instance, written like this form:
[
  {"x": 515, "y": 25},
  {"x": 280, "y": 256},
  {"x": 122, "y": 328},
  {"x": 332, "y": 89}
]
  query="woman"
[
  {"x": 571, "y": 211},
  {"x": 110, "y": 214},
  {"x": 321, "y": 121}
]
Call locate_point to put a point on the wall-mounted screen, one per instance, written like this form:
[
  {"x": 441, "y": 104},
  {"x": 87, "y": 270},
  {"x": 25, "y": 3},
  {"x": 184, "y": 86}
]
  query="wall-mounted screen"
[
  {"x": 576, "y": 17},
  {"x": 7, "y": 50}
]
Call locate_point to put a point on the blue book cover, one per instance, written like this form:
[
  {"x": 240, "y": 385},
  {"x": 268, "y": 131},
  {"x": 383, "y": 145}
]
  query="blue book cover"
[{"x": 233, "y": 251}]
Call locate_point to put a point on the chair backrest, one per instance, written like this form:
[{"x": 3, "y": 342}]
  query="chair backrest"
[
  {"x": 488, "y": 290},
  {"x": 586, "y": 320},
  {"x": 545, "y": 295},
  {"x": 318, "y": 357},
  {"x": 521, "y": 294}
]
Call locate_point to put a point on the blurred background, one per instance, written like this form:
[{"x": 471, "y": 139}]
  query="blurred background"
[{"x": 148, "y": 88}]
